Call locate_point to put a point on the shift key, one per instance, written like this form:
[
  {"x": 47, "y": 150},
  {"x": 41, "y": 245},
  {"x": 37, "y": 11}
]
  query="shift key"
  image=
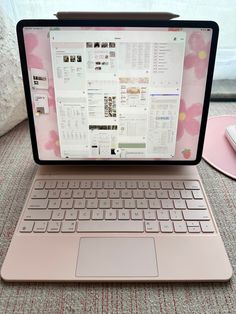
[{"x": 196, "y": 215}]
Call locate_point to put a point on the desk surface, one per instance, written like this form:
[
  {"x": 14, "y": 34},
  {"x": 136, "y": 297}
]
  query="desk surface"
[{"x": 16, "y": 172}]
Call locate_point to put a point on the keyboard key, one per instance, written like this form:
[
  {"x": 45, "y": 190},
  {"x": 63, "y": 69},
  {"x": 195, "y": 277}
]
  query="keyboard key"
[
  {"x": 97, "y": 185},
  {"x": 108, "y": 184},
  {"x": 196, "y": 215},
  {"x": 102, "y": 194},
  {"x": 58, "y": 215},
  {"x": 120, "y": 184},
  {"x": 143, "y": 184},
  {"x": 78, "y": 193},
  {"x": 114, "y": 193},
  {"x": 38, "y": 204},
  {"x": 97, "y": 214},
  {"x": 85, "y": 184},
  {"x": 167, "y": 204},
  {"x": 68, "y": 226},
  {"x": 191, "y": 185},
  {"x": 137, "y": 194},
  {"x": 166, "y": 185},
  {"x": 196, "y": 204},
  {"x": 152, "y": 226},
  {"x": 71, "y": 215},
  {"x": 129, "y": 204},
  {"x": 179, "y": 204},
  {"x": 38, "y": 215},
  {"x": 84, "y": 214},
  {"x": 79, "y": 203},
  {"x": 166, "y": 226},
  {"x": 162, "y": 194},
  {"x": 90, "y": 194},
  {"x": 26, "y": 226},
  {"x": 154, "y": 185},
  {"x": 54, "y": 226},
  {"x": 178, "y": 185},
  {"x": 38, "y": 194},
  {"x": 54, "y": 204},
  {"x": 126, "y": 194},
  {"x": 110, "y": 226},
  {"x": 67, "y": 204},
  {"x": 110, "y": 214},
  {"x": 66, "y": 194},
  {"x": 163, "y": 214},
  {"x": 149, "y": 214},
  {"x": 174, "y": 194},
  {"x": 104, "y": 204},
  {"x": 186, "y": 194},
  {"x": 154, "y": 204},
  {"x": 62, "y": 184},
  {"x": 197, "y": 194},
  {"x": 39, "y": 184},
  {"x": 131, "y": 185},
  {"x": 93, "y": 203},
  {"x": 194, "y": 229},
  {"x": 40, "y": 226},
  {"x": 118, "y": 204},
  {"x": 142, "y": 204},
  {"x": 50, "y": 184},
  {"x": 180, "y": 227},
  {"x": 207, "y": 227},
  {"x": 123, "y": 214},
  {"x": 74, "y": 184},
  {"x": 136, "y": 214},
  {"x": 150, "y": 194},
  {"x": 193, "y": 223},
  {"x": 54, "y": 194},
  {"x": 176, "y": 215}
]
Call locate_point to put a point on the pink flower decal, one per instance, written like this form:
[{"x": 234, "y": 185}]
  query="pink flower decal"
[
  {"x": 31, "y": 43},
  {"x": 198, "y": 58},
  {"x": 51, "y": 97},
  {"x": 53, "y": 143},
  {"x": 187, "y": 119}
]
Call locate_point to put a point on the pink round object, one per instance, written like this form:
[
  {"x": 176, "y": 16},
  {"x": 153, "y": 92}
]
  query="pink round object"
[{"x": 217, "y": 150}]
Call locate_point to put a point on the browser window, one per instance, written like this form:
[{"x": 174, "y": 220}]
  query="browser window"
[{"x": 118, "y": 97}]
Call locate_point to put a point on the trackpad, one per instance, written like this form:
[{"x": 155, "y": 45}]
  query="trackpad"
[{"x": 114, "y": 257}]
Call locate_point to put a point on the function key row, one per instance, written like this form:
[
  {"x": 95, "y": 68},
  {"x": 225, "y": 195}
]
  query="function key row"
[{"x": 119, "y": 184}]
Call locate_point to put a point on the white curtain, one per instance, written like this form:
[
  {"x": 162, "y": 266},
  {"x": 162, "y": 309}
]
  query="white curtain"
[{"x": 221, "y": 11}]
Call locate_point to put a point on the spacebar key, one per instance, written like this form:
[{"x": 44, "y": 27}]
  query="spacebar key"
[{"x": 110, "y": 226}]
